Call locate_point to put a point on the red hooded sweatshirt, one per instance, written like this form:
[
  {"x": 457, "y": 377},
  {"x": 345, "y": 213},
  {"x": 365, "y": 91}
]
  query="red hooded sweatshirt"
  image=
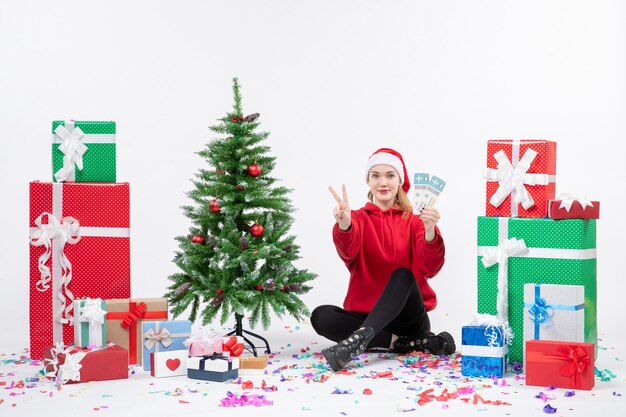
[{"x": 377, "y": 243}]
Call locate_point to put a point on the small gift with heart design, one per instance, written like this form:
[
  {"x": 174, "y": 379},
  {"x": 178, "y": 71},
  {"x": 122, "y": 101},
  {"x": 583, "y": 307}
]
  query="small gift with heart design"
[
  {"x": 163, "y": 336},
  {"x": 168, "y": 363}
]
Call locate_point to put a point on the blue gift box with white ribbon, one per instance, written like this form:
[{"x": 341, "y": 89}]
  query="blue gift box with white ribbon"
[
  {"x": 163, "y": 336},
  {"x": 484, "y": 351},
  {"x": 554, "y": 312}
]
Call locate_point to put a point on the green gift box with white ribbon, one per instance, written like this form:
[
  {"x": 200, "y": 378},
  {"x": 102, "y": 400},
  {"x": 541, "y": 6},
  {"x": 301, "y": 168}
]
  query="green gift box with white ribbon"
[
  {"x": 83, "y": 151},
  {"x": 517, "y": 251},
  {"x": 90, "y": 322}
]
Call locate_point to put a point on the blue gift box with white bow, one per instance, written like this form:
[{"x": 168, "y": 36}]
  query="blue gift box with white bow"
[
  {"x": 163, "y": 336},
  {"x": 554, "y": 312},
  {"x": 484, "y": 351}
]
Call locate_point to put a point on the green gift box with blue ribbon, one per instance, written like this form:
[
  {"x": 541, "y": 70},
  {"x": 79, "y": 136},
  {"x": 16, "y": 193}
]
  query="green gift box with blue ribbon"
[
  {"x": 556, "y": 252},
  {"x": 554, "y": 312},
  {"x": 83, "y": 151}
]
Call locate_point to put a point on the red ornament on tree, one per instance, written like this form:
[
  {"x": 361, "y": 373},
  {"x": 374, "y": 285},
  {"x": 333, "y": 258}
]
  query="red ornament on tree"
[
  {"x": 214, "y": 205},
  {"x": 259, "y": 288},
  {"x": 239, "y": 187},
  {"x": 257, "y": 230},
  {"x": 198, "y": 239},
  {"x": 254, "y": 170},
  {"x": 235, "y": 119}
]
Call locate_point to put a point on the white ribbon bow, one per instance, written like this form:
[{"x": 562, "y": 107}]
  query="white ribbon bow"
[
  {"x": 153, "y": 338},
  {"x": 93, "y": 313},
  {"x": 73, "y": 150},
  {"x": 568, "y": 199},
  {"x": 64, "y": 231},
  {"x": 494, "y": 327},
  {"x": 70, "y": 369},
  {"x": 514, "y": 179},
  {"x": 500, "y": 255}
]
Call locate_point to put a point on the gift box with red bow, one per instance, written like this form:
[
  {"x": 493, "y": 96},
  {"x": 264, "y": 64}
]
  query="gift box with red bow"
[
  {"x": 572, "y": 207},
  {"x": 521, "y": 177},
  {"x": 162, "y": 336},
  {"x": 80, "y": 247},
  {"x": 560, "y": 364},
  {"x": 72, "y": 365},
  {"x": 124, "y": 322},
  {"x": 233, "y": 345}
]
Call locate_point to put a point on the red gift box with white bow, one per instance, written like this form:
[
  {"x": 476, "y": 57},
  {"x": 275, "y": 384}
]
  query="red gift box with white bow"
[
  {"x": 573, "y": 207},
  {"x": 79, "y": 247},
  {"x": 560, "y": 364},
  {"x": 521, "y": 176}
]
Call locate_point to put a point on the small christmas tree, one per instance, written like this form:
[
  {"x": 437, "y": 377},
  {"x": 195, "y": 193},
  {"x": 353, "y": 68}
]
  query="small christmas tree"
[{"x": 238, "y": 255}]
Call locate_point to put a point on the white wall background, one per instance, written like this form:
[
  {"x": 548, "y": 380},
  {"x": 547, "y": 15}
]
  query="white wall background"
[{"x": 333, "y": 81}]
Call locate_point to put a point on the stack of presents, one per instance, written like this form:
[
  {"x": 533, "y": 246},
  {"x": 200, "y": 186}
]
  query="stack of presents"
[
  {"x": 536, "y": 273},
  {"x": 83, "y": 322}
]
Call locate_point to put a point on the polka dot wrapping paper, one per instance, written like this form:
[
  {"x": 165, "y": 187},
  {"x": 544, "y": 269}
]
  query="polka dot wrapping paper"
[
  {"x": 559, "y": 252},
  {"x": 99, "y": 260},
  {"x": 99, "y": 160},
  {"x": 543, "y": 163}
]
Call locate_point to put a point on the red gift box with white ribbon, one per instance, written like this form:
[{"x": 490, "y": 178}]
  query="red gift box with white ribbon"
[
  {"x": 560, "y": 364},
  {"x": 569, "y": 206},
  {"x": 521, "y": 176},
  {"x": 79, "y": 247}
]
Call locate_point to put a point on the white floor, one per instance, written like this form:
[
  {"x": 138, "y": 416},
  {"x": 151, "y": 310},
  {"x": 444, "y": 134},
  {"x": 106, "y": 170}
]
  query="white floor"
[{"x": 305, "y": 386}]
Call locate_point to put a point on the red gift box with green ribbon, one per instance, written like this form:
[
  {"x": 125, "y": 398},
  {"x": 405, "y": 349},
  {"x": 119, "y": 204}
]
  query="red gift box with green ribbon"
[
  {"x": 560, "y": 364},
  {"x": 124, "y": 322},
  {"x": 79, "y": 247}
]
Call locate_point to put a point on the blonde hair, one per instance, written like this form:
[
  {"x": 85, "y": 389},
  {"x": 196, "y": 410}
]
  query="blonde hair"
[{"x": 402, "y": 201}]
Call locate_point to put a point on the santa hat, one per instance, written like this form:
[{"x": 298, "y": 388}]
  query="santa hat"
[{"x": 386, "y": 156}]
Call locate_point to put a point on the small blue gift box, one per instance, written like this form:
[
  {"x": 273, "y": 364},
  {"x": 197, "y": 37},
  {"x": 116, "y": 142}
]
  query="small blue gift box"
[
  {"x": 163, "y": 336},
  {"x": 484, "y": 351},
  {"x": 215, "y": 367}
]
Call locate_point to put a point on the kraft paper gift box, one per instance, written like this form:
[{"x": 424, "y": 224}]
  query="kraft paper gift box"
[
  {"x": 252, "y": 365},
  {"x": 558, "y": 252},
  {"x": 573, "y": 208},
  {"x": 554, "y": 312},
  {"x": 124, "y": 322},
  {"x": 79, "y": 247},
  {"x": 216, "y": 367},
  {"x": 90, "y": 322},
  {"x": 168, "y": 363},
  {"x": 520, "y": 177},
  {"x": 560, "y": 364},
  {"x": 73, "y": 364},
  {"x": 83, "y": 151},
  {"x": 484, "y": 351},
  {"x": 159, "y": 336}
]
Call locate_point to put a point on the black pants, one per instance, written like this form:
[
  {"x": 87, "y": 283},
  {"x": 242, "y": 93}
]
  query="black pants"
[{"x": 399, "y": 310}]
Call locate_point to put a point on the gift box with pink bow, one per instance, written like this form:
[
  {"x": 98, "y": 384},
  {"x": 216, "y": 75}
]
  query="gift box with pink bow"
[
  {"x": 163, "y": 336},
  {"x": 203, "y": 342},
  {"x": 560, "y": 364},
  {"x": 569, "y": 206},
  {"x": 521, "y": 177}
]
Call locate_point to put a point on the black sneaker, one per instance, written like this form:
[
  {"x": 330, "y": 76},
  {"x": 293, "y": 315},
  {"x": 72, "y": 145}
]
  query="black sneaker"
[
  {"x": 339, "y": 355},
  {"x": 441, "y": 344}
]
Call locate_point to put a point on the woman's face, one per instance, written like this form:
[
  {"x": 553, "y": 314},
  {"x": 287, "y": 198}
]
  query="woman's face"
[{"x": 384, "y": 182}]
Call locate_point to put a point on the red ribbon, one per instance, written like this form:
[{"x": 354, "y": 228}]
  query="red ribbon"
[
  {"x": 136, "y": 311},
  {"x": 575, "y": 358},
  {"x": 232, "y": 346}
]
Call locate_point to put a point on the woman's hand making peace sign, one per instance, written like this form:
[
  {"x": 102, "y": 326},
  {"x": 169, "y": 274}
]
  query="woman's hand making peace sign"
[{"x": 342, "y": 210}]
